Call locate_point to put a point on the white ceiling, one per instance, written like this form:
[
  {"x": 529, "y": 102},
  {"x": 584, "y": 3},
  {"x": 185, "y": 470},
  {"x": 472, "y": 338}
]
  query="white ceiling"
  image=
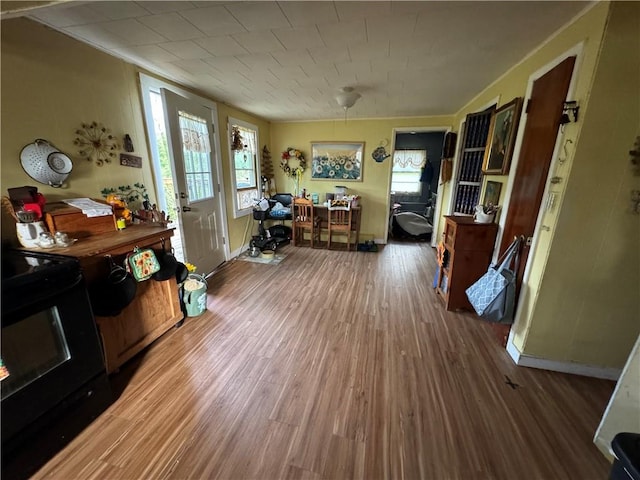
[{"x": 287, "y": 60}]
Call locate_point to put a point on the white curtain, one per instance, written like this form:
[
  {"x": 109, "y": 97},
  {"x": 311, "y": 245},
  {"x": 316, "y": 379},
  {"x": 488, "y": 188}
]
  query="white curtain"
[
  {"x": 409, "y": 160},
  {"x": 195, "y": 136}
]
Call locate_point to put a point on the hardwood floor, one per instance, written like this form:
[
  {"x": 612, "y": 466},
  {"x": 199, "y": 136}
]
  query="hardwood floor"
[{"x": 337, "y": 365}]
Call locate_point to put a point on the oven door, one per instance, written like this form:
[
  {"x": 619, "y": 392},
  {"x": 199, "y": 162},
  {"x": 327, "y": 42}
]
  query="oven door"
[{"x": 50, "y": 349}]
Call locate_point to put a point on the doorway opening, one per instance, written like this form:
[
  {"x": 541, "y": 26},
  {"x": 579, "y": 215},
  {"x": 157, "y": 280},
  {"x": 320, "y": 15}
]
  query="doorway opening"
[
  {"x": 414, "y": 187},
  {"x": 184, "y": 144},
  {"x": 166, "y": 190}
]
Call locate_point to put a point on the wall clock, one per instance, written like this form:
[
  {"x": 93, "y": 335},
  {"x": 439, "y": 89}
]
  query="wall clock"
[{"x": 96, "y": 143}]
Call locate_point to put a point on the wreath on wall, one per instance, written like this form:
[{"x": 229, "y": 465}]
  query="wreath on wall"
[{"x": 288, "y": 154}]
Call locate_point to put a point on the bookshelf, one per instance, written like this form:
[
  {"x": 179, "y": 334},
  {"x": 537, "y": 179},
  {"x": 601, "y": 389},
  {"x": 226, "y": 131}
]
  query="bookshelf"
[{"x": 469, "y": 178}]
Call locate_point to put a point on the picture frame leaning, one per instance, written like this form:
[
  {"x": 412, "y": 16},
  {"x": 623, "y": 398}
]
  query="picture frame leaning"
[
  {"x": 337, "y": 161},
  {"x": 502, "y": 136}
]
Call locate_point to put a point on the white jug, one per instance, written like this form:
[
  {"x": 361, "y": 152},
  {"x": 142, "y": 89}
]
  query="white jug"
[{"x": 28, "y": 233}]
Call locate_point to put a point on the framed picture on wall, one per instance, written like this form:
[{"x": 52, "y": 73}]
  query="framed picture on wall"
[
  {"x": 492, "y": 193},
  {"x": 337, "y": 161},
  {"x": 502, "y": 136}
]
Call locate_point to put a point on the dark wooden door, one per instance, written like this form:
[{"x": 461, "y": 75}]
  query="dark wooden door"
[{"x": 541, "y": 130}]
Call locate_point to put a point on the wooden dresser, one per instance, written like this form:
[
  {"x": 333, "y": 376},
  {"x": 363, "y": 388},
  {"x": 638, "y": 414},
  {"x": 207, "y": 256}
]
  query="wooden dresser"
[
  {"x": 468, "y": 249},
  {"x": 156, "y": 306}
]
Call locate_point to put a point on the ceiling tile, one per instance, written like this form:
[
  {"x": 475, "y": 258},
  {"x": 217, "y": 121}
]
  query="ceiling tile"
[
  {"x": 299, "y": 37},
  {"x": 340, "y": 34},
  {"x": 313, "y": 82},
  {"x": 96, "y": 35},
  {"x": 150, "y": 53},
  {"x": 391, "y": 27},
  {"x": 390, "y": 64},
  {"x": 221, "y": 46},
  {"x": 155, "y": 7},
  {"x": 320, "y": 70},
  {"x": 356, "y": 10},
  {"x": 186, "y": 50},
  {"x": 399, "y": 8},
  {"x": 258, "y": 15},
  {"x": 117, "y": 10},
  {"x": 354, "y": 68},
  {"x": 258, "y": 60},
  {"x": 291, "y": 58},
  {"x": 213, "y": 21},
  {"x": 369, "y": 50},
  {"x": 259, "y": 42},
  {"x": 172, "y": 26},
  {"x": 227, "y": 64},
  {"x": 133, "y": 32},
  {"x": 195, "y": 67},
  {"x": 289, "y": 72},
  {"x": 66, "y": 16},
  {"x": 294, "y": 57},
  {"x": 328, "y": 55},
  {"x": 309, "y": 13}
]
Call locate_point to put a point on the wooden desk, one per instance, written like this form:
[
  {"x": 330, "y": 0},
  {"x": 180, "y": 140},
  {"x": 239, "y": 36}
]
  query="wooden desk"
[{"x": 154, "y": 310}]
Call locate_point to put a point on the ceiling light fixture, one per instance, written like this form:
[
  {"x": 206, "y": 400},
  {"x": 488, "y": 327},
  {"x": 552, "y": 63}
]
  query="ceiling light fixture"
[{"x": 347, "y": 98}]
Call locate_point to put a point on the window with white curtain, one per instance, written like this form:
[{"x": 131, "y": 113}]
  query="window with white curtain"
[
  {"x": 407, "y": 169},
  {"x": 244, "y": 167},
  {"x": 196, "y": 149}
]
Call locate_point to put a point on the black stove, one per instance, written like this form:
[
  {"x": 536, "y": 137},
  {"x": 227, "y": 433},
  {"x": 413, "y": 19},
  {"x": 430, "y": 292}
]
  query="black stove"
[
  {"x": 54, "y": 380},
  {"x": 27, "y": 277}
]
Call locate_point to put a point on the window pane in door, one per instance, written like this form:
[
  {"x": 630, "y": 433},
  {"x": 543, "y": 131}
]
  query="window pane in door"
[{"x": 196, "y": 150}]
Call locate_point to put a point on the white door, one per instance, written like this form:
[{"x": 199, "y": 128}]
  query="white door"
[{"x": 199, "y": 202}]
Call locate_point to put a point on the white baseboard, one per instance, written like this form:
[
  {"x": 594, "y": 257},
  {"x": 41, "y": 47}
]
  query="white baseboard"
[
  {"x": 530, "y": 361},
  {"x": 238, "y": 251}
]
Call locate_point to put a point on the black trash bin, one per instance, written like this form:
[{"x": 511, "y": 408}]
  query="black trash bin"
[{"x": 626, "y": 447}]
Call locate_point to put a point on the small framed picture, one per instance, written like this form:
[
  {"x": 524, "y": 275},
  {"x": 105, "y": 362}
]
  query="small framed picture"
[
  {"x": 492, "y": 193},
  {"x": 502, "y": 136},
  {"x": 337, "y": 161}
]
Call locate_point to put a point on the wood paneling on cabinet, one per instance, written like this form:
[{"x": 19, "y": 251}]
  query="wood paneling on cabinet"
[{"x": 468, "y": 249}]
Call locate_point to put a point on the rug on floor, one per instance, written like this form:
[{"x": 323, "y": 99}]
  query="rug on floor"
[{"x": 277, "y": 258}]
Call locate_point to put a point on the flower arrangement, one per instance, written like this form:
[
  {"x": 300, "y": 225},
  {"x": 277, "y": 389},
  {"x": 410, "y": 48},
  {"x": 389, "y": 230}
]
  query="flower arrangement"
[
  {"x": 288, "y": 154},
  {"x": 490, "y": 208},
  {"x": 127, "y": 193}
]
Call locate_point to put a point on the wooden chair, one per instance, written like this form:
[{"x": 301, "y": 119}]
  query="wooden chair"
[
  {"x": 303, "y": 220},
  {"x": 339, "y": 221}
]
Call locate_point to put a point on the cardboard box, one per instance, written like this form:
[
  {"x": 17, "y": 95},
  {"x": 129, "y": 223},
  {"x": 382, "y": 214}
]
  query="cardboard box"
[{"x": 61, "y": 217}]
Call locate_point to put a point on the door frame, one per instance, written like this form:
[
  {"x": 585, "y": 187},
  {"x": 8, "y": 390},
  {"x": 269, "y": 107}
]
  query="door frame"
[
  {"x": 576, "y": 51},
  {"x": 149, "y": 83},
  {"x": 439, "y": 191}
]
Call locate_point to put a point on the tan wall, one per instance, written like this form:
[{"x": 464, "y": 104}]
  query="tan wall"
[
  {"x": 374, "y": 188},
  {"x": 52, "y": 84}
]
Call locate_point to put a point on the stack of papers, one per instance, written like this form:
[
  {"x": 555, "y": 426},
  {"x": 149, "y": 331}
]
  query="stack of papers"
[{"x": 89, "y": 207}]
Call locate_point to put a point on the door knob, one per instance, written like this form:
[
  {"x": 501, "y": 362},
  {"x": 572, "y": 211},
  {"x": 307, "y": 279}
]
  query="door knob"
[{"x": 186, "y": 209}]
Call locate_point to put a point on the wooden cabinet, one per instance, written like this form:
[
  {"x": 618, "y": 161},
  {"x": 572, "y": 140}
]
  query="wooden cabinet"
[
  {"x": 468, "y": 248},
  {"x": 156, "y": 306}
]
